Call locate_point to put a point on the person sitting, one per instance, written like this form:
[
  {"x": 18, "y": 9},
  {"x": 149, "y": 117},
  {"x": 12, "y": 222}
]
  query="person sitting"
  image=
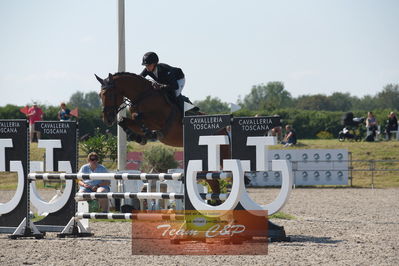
[
  {"x": 94, "y": 185},
  {"x": 167, "y": 78},
  {"x": 290, "y": 136},
  {"x": 392, "y": 125},
  {"x": 372, "y": 126}
]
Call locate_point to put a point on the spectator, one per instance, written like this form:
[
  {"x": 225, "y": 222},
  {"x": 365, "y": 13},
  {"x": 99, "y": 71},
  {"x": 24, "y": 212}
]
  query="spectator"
[
  {"x": 94, "y": 185},
  {"x": 290, "y": 136},
  {"x": 372, "y": 126},
  {"x": 34, "y": 114},
  {"x": 276, "y": 132},
  {"x": 64, "y": 114},
  {"x": 392, "y": 125}
]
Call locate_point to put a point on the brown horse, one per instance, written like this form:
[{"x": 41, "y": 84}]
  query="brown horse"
[{"x": 154, "y": 116}]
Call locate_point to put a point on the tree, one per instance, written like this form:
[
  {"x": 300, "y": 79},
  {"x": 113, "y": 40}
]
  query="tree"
[
  {"x": 90, "y": 100},
  {"x": 213, "y": 105},
  {"x": 313, "y": 102},
  {"x": 366, "y": 103},
  {"x": 77, "y": 100},
  {"x": 340, "y": 101},
  {"x": 267, "y": 97},
  {"x": 388, "y": 97}
]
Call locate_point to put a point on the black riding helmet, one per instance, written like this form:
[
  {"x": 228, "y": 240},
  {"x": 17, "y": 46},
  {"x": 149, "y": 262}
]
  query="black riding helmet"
[{"x": 150, "y": 58}]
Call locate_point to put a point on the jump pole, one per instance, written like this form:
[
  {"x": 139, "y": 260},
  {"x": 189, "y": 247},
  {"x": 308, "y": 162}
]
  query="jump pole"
[{"x": 121, "y": 134}]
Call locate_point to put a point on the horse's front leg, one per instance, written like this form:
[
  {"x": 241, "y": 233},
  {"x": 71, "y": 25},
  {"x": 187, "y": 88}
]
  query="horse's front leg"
[
  {"x": 149, "y": 134},
  {"x": 133, "y": 130}
]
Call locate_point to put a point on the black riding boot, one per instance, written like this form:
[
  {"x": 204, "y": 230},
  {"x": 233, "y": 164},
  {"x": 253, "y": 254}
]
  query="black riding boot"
[{"x": 180, "y": 101}]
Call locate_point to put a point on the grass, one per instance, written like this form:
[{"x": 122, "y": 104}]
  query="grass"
[
  {"x": 362, "y": 153},
  {"x": 282, "y": 215},
  {"x": 365, "y": 151}
]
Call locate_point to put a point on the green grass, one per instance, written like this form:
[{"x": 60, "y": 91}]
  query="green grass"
[
  {"x": 381, "y": 150},
  {"x": 282, "y": 215}
]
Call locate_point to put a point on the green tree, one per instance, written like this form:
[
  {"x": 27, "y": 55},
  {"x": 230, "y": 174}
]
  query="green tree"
[
  {"x": 212, "y": 105},
  {"x": 340, "y": 101},
  {"x": 77, "y": 100},
  {"x": 11, "y": 112},
  {"x": 92, "y": 100},
  {"x": 313, "y": 102},
  {"x": 388, "y": 97},
  {"x": 89, "y": 100},
  {"x": 366, "y": 103},
  {"x": 267, "y": 97}
]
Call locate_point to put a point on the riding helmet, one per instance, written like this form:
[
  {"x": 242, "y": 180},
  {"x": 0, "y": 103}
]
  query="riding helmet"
[{"x": 150, "y": 58}]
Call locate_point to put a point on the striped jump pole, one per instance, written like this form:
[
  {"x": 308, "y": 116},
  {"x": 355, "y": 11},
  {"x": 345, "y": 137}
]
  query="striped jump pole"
[
  {"x": 104, "y": 176},
  {"x": 144, "y": 195},
  {"x": 129, "y": 216},
  {"x": 126, "y": 176},
  {"x": 128, "y": 195},
  {"x": 214, "y": 175}
]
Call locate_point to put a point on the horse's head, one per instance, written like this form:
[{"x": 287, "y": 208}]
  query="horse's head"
[{"x": 111, "y": 99}]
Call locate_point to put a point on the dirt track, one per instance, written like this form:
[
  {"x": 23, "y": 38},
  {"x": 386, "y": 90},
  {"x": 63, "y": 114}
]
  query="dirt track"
[{"x": 333, "y": 226}]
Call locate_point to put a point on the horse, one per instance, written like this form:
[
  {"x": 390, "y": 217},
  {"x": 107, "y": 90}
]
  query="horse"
[{"x": 154, "y": 116}]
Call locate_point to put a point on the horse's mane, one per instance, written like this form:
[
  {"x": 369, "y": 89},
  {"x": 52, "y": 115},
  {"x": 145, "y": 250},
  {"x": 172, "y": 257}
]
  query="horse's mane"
[
  {"x": 161, "y": 92},
  {"x": 125, "y": 73},
  {"x": 133, "y": 75}
]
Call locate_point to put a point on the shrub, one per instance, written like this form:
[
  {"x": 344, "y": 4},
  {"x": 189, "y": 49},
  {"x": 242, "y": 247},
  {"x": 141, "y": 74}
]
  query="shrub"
[
  {"x": 158, "y": 159},
  {"x": 324, "y": 135},
  {"x": 105, "y": 145}
]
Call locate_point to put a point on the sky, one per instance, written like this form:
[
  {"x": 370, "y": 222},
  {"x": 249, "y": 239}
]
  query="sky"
[{"x": 52, "y": 49}]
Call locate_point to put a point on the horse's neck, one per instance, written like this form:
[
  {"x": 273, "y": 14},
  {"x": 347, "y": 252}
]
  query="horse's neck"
[{"x": 132, "y": 86}]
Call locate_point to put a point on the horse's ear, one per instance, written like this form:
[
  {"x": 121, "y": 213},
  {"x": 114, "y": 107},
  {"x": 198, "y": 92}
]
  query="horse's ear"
[
  {"x": 99, "y": 79},
  {"x": 109, "y": 76}
]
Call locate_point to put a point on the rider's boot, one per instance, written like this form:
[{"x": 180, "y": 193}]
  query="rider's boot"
[{"x": 180, "y": 102}]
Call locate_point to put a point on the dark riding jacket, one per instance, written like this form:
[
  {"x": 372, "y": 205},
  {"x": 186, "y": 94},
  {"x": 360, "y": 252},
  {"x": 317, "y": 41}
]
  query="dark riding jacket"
[{"x": 167, "y": 76}]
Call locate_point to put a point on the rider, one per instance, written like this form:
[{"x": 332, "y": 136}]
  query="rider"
[{"x": 168, "y": 78}]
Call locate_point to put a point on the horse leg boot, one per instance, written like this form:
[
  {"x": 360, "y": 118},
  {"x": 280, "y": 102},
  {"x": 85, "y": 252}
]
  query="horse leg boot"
[{"x": 125, "y": 123}]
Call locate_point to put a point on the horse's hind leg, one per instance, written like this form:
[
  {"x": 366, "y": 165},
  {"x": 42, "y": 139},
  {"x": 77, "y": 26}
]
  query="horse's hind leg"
[{"x": 131, "y": 128}]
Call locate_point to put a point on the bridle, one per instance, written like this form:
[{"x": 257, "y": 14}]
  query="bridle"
[{"x": 110, "y": 85}]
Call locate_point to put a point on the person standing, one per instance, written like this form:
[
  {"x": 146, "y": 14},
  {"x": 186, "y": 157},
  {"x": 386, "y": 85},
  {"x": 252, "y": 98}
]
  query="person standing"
[
  {"x": 392, "y": 125},
  {"x": 93, "y": 166},
  {"x": 34, "y": 114},
  {"x": 64, "y": 114}
]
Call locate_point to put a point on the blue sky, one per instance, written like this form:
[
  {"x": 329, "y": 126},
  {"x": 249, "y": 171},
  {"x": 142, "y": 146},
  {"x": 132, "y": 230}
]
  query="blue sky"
[{"x": 51, "y": 49}]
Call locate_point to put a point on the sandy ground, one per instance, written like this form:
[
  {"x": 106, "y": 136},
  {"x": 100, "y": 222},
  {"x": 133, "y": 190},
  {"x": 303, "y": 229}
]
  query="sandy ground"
[{"x": 332, "y": 227}]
